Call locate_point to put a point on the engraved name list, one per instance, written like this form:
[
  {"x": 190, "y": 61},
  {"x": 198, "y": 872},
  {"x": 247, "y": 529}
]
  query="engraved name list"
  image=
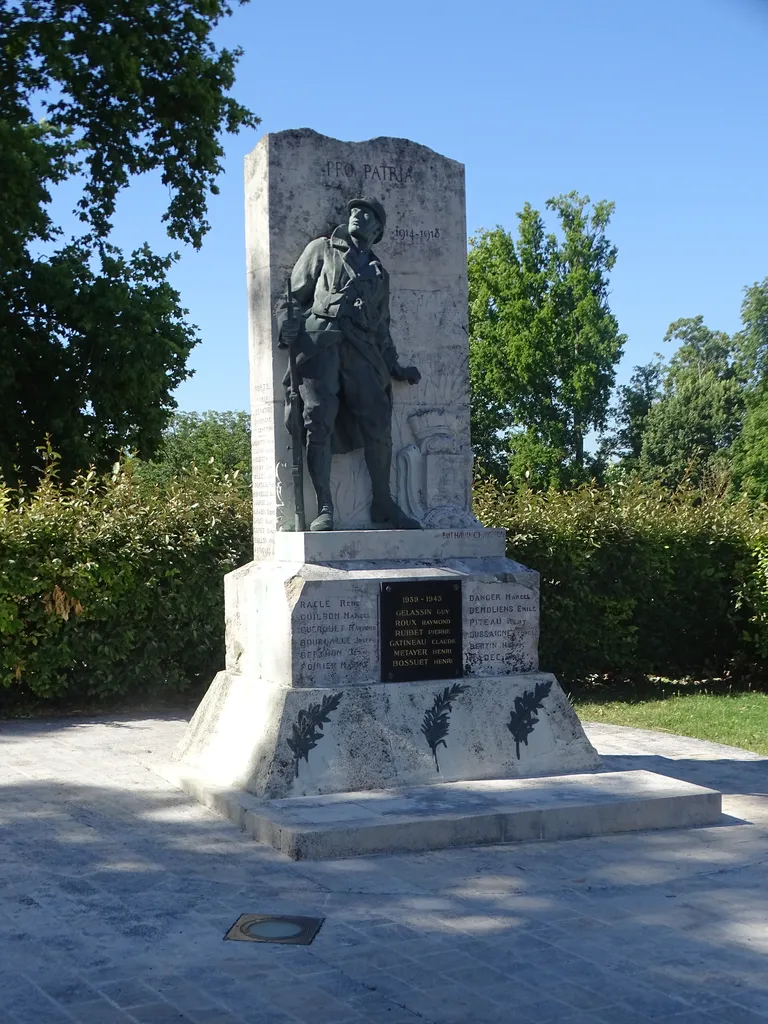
[{"x": 420, "y": 630}]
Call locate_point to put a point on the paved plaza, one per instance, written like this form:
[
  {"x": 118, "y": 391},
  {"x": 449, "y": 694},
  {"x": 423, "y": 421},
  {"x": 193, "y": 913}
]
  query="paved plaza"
[{"x": 116, "y": 891}]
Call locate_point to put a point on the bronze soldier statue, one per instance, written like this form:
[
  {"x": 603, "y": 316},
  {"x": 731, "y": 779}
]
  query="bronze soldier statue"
[{"x": 346, "y": 359}]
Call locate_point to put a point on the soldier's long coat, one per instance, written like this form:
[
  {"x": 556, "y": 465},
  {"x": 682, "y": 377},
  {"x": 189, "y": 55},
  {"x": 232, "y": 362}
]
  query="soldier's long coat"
[{"x": 342, "y": 300}]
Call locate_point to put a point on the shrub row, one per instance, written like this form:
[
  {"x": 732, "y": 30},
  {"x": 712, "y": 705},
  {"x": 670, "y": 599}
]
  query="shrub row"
[
  {"x": 110, "y": 587},
  {"x": 113, "y": 588},
  {"x": 637, "y": 581}
]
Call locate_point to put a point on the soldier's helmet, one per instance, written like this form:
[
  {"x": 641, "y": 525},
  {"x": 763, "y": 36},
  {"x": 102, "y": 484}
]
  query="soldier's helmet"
[{"x": 378, "y": 209}]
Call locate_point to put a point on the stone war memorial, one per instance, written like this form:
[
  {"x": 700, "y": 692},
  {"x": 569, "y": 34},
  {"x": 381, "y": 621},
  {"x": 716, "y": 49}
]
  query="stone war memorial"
[{"x": 382, "y": 688}]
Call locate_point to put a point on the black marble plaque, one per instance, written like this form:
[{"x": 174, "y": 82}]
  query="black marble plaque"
[{"x": 420, "y": 630}]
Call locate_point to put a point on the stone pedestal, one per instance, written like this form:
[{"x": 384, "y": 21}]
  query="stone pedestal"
[
  {"x": 304, "y": 706},
  {"x": 310, "y": 616}
]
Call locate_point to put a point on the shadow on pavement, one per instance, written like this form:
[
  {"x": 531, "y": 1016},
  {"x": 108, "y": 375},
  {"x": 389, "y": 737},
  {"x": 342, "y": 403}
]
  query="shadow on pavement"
[{"x": 115, "y": 888}]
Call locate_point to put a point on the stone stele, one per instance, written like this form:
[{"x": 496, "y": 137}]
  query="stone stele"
[
  {"x": 297, "y": 186},
  {"x": 301, "y": 708}
]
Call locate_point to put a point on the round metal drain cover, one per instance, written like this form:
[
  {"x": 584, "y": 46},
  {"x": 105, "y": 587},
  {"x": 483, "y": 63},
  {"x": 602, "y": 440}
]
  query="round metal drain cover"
[
  {"x": 273, "y": 928},
  {"x": 298, "y": 931}
]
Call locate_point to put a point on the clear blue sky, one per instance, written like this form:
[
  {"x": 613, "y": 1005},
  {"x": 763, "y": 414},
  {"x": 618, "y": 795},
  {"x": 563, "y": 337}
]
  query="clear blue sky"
[{"x": 659, "y": 105}]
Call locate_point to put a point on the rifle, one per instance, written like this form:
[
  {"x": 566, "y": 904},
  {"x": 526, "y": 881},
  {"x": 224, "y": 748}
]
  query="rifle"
[{"x": 297, "y": 432}]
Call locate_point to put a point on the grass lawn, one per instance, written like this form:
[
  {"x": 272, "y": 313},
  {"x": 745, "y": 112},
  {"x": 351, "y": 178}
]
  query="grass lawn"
[{"x": 737, "y": 719}]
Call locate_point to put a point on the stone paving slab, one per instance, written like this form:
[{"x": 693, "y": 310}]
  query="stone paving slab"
[
  {"x": 455, "y": 814},
  {"x": 116, "y": 891}
]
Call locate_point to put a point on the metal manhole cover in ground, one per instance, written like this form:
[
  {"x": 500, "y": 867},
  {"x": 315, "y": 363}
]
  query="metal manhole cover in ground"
[{"x": 297, "y": 931}]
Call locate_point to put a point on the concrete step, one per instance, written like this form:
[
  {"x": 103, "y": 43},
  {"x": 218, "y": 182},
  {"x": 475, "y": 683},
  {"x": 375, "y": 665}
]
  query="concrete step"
[{"x": 458, "y": 813}]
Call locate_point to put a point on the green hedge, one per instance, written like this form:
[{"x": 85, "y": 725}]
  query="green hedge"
[
  {"x": 111, "y": 588},
  {"x": 635, "y": 580}
]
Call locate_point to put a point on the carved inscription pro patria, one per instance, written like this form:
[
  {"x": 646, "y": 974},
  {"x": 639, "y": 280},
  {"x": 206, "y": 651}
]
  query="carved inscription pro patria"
[
  {"x": 420, "y": 629},
  {"x": 403, "y": 175}
]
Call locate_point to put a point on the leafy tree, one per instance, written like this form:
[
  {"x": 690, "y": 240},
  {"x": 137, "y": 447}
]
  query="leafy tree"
[
  {"x": 750, "y": 450},
  {"x": 543, "y": 341},
  {"x": 212, "y": 443},
  {"x": 752, "y": 340},
  {"x": 635, "y": 400},
  {"x": 92, "y": 342},
  {"x": 689, "y": 431}
]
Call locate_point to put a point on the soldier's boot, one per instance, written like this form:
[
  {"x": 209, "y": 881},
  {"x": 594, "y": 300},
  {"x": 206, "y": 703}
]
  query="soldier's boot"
[
  {"x": 384, "y": 510},
  {"x": 319, "y": 466}
]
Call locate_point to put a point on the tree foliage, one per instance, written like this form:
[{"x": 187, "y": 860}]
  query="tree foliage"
[
  {"x": 543, "y": 341},
  {"x": 750, "y": 451},
  {"x": 216, "y": 444},
  {"x": 635, "y": 400},
  {"x": 749, "y": 467},
  {"x": 92, "y": 342},
  {"x": 753, "y": 338},
  {"x": 702, "y": 418},
  {"x": 689, "y": 431}
]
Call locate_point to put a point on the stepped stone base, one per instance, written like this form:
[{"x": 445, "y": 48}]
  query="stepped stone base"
[
  {"x": 300, "y": 741},
  {"x": 458, "y": 813},
  {"x": 253, "y": 735}
]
